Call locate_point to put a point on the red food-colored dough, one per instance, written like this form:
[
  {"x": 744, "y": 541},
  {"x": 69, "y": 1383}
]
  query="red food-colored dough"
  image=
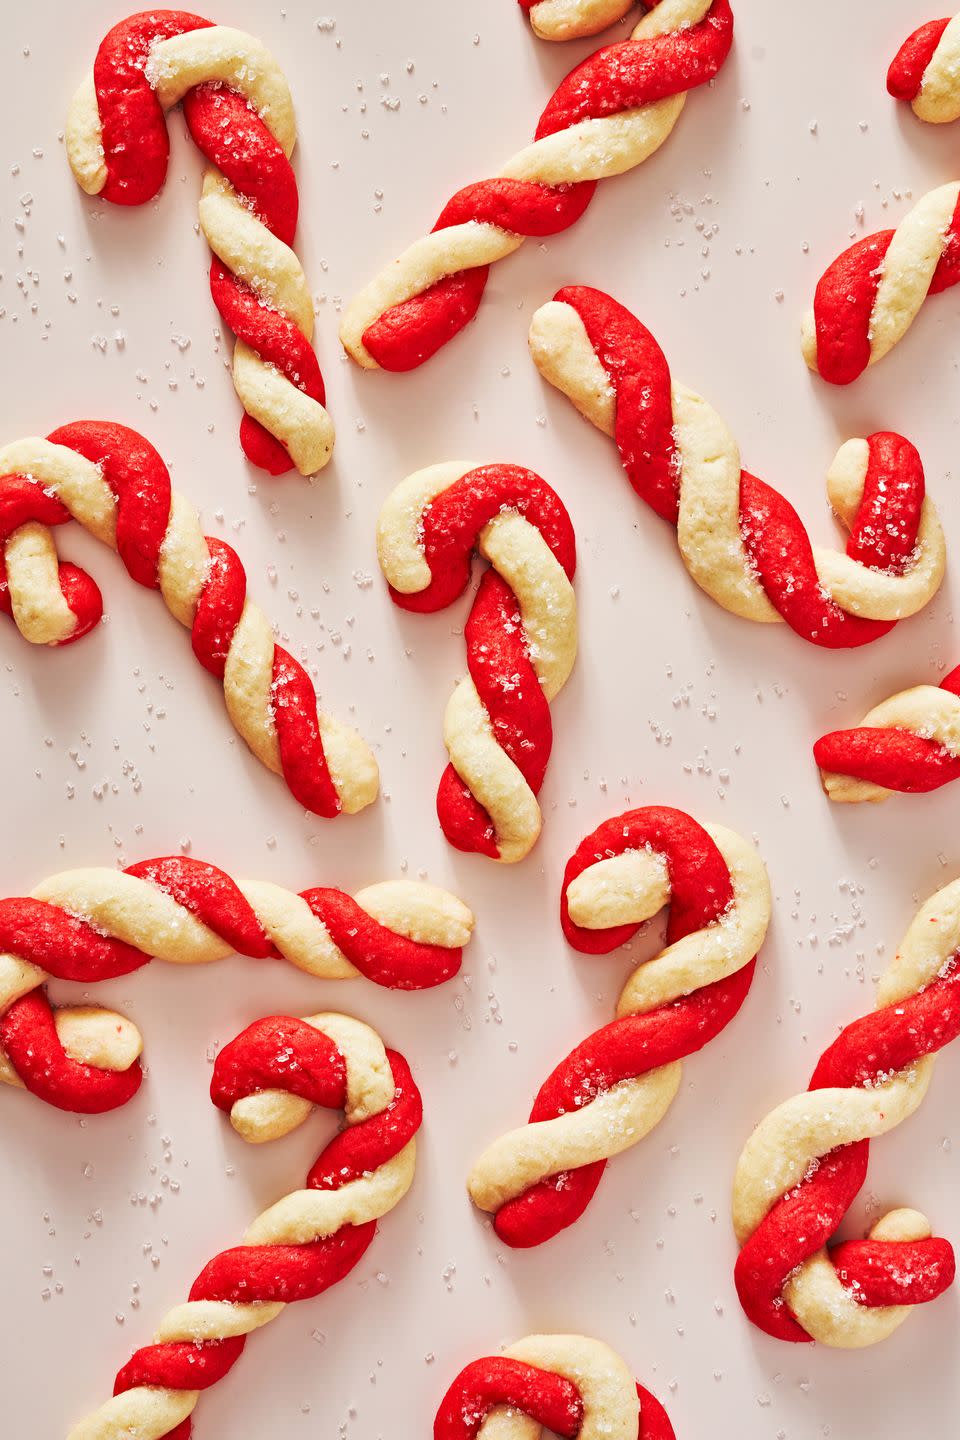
[
  {"x": 617, "y": 77},
  {"x": 235, "y": 140},
  {"x": 896, "y": 759},
  {"x": 497, "y": 654},
  {"x": 883, "y": 537}
]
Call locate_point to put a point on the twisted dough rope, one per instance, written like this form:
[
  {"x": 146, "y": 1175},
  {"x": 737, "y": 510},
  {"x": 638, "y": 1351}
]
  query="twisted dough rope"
[
  {"x": 95, "y": 924},
  {"x": 741, "y": 541},
  {"x": 868, "y": 298},
  {"x": 237, "y": 106},
  {"x": 619, "y": 1082},
  {"x": 926, "y": 71},
  {"x": 275, "y": 1072},
  {"x": 909, "y": 743},
  {"x": 608, "y": 115},
  {"x": 115, "y": 484},
  {"x": 572, "y": 19},
  {"x": 521, "y": 635},
  {"x": 805, "y": 1163},
  {"x": 568, "y": 1384}
]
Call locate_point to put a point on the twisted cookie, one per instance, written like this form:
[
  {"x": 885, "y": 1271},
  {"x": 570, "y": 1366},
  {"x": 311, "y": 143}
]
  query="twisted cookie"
[
  {"x": 270, "y": 1077},
  {"x": 619, "y": 1083},
  {"x": 113, "y": 481},
  {"x": 608, "y": 115},
  {"x": 237, "y": 106},
  {"x": 805, "y": 1163},
  {"x": 571, "y": 19},
  {"x": 868, "y": 298},
  {"x": 926, "y": 71},
  {"x": 96, "y": 924},
  {"x": 521, "y": 635},
  {"x": 910, "y": 743},
  {"x": 567, "y": 1384},
  {"x": 742, "y": 542}
]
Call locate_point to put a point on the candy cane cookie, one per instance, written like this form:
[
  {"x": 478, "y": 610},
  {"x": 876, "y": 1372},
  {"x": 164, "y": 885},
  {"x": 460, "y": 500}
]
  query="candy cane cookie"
[
  {"x": 619, "y": 1083},
  {"x": 238, "y": 109},
  {"x": 568, "y": 1385},
  {"x": 96, "y": 924},
  {"x": 268, "y": 1080},
  {"x": 909, "y": 743},
  {"x": 867, "y": 299},
  {"x": 609, "y": 114},
  {"x": 521, "y": 635},
  {"x": 115, "y": 484},
  {"x": 925, "y": 72},
  {"x": 803, "y": 1166},
  {"x": 741, "y": 541},
  {"x": 572, "y": 19}
]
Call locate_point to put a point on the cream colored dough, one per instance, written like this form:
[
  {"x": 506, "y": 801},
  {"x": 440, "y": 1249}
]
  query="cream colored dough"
[
  {"x": 548, "y": 609},
  {"x": 708, "y": 529},
  {"x": 611, "y": 1407},
  {"x": 938, "y": 99},
  {"x": 184, "y": 561},
  {"x": 233, "y": 232},
  {"x": 632, "y": 888},
  {"x": 905, "y": 274},
  {"x": 148, "y": 1412},
  {"x": 797, "y": 1134},
  {"x": 140, "y": 914},
  {"x": 571, "y": 19},
  {"x": 926, "y": 710},
  {"x": 590, "y": 150}
]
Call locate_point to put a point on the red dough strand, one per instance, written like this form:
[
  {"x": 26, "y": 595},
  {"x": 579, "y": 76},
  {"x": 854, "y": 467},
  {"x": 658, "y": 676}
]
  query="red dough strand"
[
  {"x": 896, "y": 759},
  {"x": 234, "y": 139},
  {"x": 700, "y": 892},
  {"x": 884, "y": 536},
  {"x": 548, "y": 1398},
  {"x": 624, "y": 76},
  {"x": 69, "y": 948},
  {"x": 281, "y": 1052},
  {"x": 866, "y": 1052},
  {"x": 497, "y": 651}
]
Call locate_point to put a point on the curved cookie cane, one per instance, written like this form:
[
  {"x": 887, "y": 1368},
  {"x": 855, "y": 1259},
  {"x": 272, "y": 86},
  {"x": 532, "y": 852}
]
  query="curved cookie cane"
[
  {"x": 95, "y": 924},
  {"x": 742, "y": 542},
  {"x": 909, "y": 743},
  {"x": 868, "y": 298},
  {"x": 925, "y": 72},
  {"x": 608, "y": 115},
  {"x": 619, "y": 1082},
  {"x": 568, "y": 1385},
  {"x": 572, "y": 19},
  {"x": 805, "y": 1163},
  {"x": 271, "y": 1076},
  {"x": 521, "y": 635},
  {"x": 115, "y": 484},
  {"x": 237, "y": 106}
]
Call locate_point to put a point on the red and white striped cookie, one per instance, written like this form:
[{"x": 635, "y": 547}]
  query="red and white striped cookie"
[
  {"x": 112, "y": 481},
  {"x": 909, "y": 743},
  {"x": 268, "y": 1080},
  {"x": 609, "y": 114},
  {"x": 521, "y": 635},
  {"x": 95, "y": 924},
  {"x": 568, "y": 1385},
  {"x": 619, "y": 1082},
  {"x": 238, "y": 109},
  {"x": 867, "y": 299},
  {"x": 741, "y": 541},
  {"x": 925, "y": 72},
  {"x": 805, "y": 1163}
]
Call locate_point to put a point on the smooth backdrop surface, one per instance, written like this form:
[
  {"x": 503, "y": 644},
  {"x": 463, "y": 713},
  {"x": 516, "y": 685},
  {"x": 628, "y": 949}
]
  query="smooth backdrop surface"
[{"x": 119, "y": 749}]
